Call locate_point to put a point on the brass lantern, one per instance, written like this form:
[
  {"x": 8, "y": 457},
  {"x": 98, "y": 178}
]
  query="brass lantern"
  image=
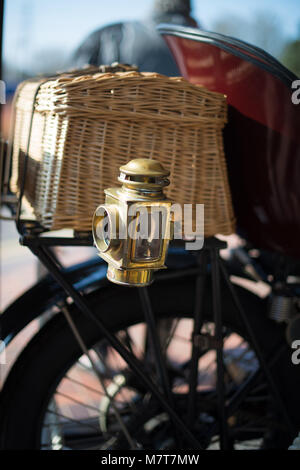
[{"x": 132, "y": 229}]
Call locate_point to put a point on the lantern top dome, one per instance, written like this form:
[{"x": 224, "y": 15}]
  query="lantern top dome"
[{"x": 144, "y": 167}]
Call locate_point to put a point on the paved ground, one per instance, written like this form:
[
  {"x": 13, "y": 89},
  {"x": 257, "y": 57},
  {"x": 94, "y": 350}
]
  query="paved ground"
[
  {"x": 18, "y": 269},
  {"x": 18, "y": 265}
]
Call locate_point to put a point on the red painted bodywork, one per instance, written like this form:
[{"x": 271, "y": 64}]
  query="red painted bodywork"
[{"x": 262, "y": 140}]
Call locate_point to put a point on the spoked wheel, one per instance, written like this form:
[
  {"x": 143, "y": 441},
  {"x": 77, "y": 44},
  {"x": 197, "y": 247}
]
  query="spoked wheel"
[
  {"x": 54, "y": 400},
  {"x": 80, "y": 414}
]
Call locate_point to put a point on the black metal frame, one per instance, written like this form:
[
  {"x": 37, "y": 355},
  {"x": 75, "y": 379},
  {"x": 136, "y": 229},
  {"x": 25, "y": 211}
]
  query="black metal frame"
[
  {"x": 208, "y": 259},
  {"x": 36, "y": 245}
]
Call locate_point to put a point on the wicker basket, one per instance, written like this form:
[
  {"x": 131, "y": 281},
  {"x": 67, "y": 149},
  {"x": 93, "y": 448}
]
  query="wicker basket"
[{"x": 79, "y": 128}]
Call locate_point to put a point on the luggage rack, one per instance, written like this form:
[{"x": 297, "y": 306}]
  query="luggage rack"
[{"x": 208, "y": 260}]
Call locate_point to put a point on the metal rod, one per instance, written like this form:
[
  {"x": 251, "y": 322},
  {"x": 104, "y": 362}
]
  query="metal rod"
[
  {"x": 132, "y": 361},
  {"x": 250, "y": 383},
  {"x": 23, "y": 179},
  {"x": 157, "y": 349},
  {"x": 258, "y": 351},
  {"x": 198, "y": 322},
  {"x": 85, "y": 350},
  {"x": 155, "y": 343},
  {"x": 216, "y": 291},
  {"x": 56, "y": 241},
  {"x": 1, "y": 47}
]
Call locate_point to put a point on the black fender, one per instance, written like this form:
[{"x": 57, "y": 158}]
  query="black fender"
[
  {"x": 84, "y": 277},
  {"x": 46, "y": 293}
]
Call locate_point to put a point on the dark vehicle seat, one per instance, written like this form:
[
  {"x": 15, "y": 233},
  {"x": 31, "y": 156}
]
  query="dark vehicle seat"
[{"x": 262, "y": 137}]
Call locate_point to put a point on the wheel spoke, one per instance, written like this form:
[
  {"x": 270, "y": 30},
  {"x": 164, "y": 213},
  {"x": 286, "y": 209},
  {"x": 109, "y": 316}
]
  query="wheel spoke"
[
  {"x": 67, "y": 418},
  {"x": 86, "y": 432}
]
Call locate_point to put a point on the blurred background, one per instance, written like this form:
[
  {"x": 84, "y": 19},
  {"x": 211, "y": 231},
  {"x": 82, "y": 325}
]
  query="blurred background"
[{"x": 41, "y": 36}]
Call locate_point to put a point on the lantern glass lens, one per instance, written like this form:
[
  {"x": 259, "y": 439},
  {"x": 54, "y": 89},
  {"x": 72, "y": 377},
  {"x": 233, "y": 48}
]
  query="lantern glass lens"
[
  {"x": 148, "y": 243},
  {"x": 105, "y": 222},
  {"x": 147, "y": 249}
]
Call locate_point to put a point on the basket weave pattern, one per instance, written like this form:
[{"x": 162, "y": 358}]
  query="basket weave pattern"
[{"x": 86, "y": 126}]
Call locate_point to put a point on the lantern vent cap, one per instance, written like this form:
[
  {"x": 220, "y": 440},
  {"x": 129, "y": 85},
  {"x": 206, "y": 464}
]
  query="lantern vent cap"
[
  {"x": 144, "y": 167},
  {"x": 144, "y": 173}
]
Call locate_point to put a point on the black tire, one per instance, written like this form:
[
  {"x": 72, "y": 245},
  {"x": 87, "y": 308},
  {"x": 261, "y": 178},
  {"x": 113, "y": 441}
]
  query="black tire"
[{"x": 53, "y": 350}]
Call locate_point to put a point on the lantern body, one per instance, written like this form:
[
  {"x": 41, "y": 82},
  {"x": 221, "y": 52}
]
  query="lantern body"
[{"x": 132, "y": 229}]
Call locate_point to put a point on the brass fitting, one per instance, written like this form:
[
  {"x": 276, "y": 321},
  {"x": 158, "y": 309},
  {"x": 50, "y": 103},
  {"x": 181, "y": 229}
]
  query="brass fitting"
[{"x": 132, "y": 229}]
